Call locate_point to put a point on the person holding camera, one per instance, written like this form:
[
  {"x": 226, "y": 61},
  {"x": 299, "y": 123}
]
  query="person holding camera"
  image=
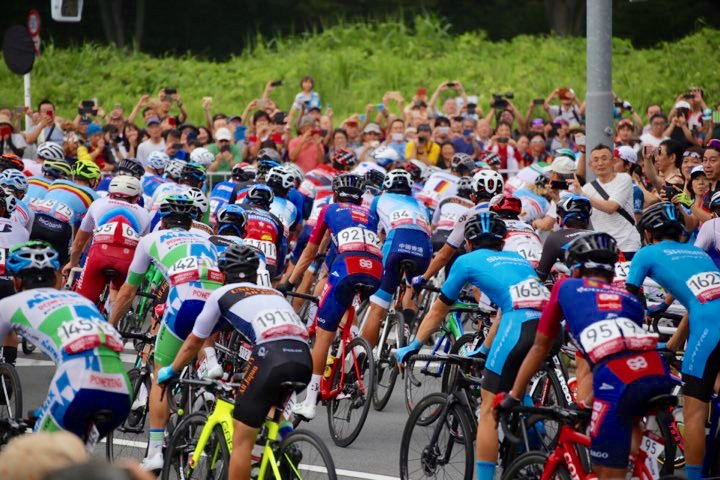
[
  {"x": 450, "y": 105},
  {"x": 570, "y": 108},
  {"x": 679, "y": 127},
  {"x": 46, "y": 129},
  {"x": 10, "y": 142},
  {"x": 423, "y": 149},
  {"x": 307, "y": 149},
  {"x": 559, "y": 135}
]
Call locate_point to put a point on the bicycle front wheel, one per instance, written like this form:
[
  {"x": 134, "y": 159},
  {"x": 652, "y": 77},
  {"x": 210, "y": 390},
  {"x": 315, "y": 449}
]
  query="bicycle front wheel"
[
  {"x": 348, "y": 410},
  {"x": 129, "y": 440},
  {"x": 530, "y": 466},
  {"x": 11, "y": 401},
  {"x": 303, "y": 456},
  {"x": 214, "y": 460},
  {"x": 422, "y": 377}
]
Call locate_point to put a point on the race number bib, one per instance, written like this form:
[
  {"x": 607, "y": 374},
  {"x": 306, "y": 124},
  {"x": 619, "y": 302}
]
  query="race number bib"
[
  {"x": 3, "y": 259},
  {"x": 108, "y": 233},
  {"x": 53, "y": 208},
  {"x": 266, "y": 247},
  {"x": 277, "y": 322},
  {"x": 607, "y": 337},
  {"x": 358, "y": 239},
  {"x": 526, "y": 244},
  {"x": 263, "y": 278},
  {"x": 190, "y": 269},
  {"x": 402, "y": 217},
  {"x": 529, "y": 294},
  {"x": 81, "y": 335},
  {"x": 705, "y": 286},
  {"x": 621, "y": 272},
  {"x": 448, "y": 220}
]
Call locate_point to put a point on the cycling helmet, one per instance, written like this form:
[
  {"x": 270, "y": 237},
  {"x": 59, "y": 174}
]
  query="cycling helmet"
[
  {"x": 374, "y": 181},
  {"x": 542, "y": 180},
  {"x": 199, "y": 200},
  {"x": 125, "y": 186},
  {"x": 269, "y": 154},
  {"x": 461, "y": 162},
  {"x": 563, "y": 152},
  {"x": 297, "y": 172},
  {"x": 715, "y": 202},
  {"x": 202, "y": 156},
  {"x": 349, "y": 187},
  {"x": 488, "y": 183},
  {"x": 193, "y": 172},
  {"x": 592, "y": 250},
  {"x": 157, "y": 160},
  {"x": 485, "y": 226},
  {"x": 174, "y": 168},
  {"x": 265, "y": 165},
  {"x": 280, "y": 180},
  {"x": 492, "y": 159},
  {"x": 506, "y": 205},
  {"x": 231, "y": 219},
  {"x": 56, "y": 169},
  {"x": 14, "y": 179},
  {"x": 661, "y": 216},
  {"x": 239, "y": 262},
  {"x": 429, "y": 171},
  {"x": 384, "y": 155},
  {"x": 344, "y": 159},
  {"x": 87, "y": 171},
  {"x": 179, "y": 205},
  {"x": 243, "y": 172},
  {"x": 10, "y": 160},
  {"x": 417, "y": 169},
  {"x": 398, "y": 181},
  {"x": 34, "y": 255},
  {"x": 260, "y": 195},
  {"x": 464, "y": 187},
  {"x": 9, "y": 200},
  {"x": 51, "y": 151},
  {"x": 574, "y": 207},
  {"x": 132, "y": 167}
]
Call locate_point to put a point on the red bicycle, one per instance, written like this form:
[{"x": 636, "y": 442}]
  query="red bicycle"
[
  {"x": 347, "y": 384},
  {"x": 570, "y": 457}
]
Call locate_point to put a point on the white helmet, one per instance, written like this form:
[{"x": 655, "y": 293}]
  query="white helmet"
[
  {"x": 10, "y": 200},
  {"x": 51, "y": 151},
  {"x": 203, "y": 156},
  {"x": 488, "y": 183},
  {"x": 398, "y": 179},
  {"x": 280, "y": 177},
  {"x": 384, "y": 155},
  {"x": 125, "y": 186},
  {"x": 158, "y": 160},
  {"x": 174, "y": 168},
  {"x": 296, "y": 171},
  {"x": 199, "y": 199}
]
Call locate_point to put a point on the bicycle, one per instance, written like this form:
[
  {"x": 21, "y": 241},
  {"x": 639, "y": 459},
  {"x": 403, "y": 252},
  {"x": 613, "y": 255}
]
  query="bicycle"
[
  {"x": 11, "y": 398},
  {"x": 347, "y": 383},
  {"x": 151, "y": 294},
  {"x": 201, "y": 445}
]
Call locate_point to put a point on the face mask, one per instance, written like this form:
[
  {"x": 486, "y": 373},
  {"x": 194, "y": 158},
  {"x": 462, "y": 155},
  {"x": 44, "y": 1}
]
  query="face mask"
[
  {"x": 443, "y": 130},
  {"x": 397, "y": 137}
]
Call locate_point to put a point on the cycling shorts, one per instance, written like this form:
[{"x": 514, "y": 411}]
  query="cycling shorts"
[
  {"x": 701, "y": 362},
  {"x": 271, "y": 364},
  {"x": 83, "y": 385},
  {"x": 101, "y": 258},
  {"x": 512, "y": 342},
  {"x": 56, "y": 232},
  {"x": 621, "y": 389},
  {"x": 301, "y": 242},
  {"x": 345, "y": 273},
  {"x": 185, "y": 302},
  {"x": 406, "y": 244}
]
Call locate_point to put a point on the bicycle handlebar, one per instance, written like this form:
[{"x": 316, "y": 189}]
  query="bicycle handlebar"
[
  {"x": 304, "y": 296},
  {"x": 449, "y": 358},
  {"x": 215, "y": 384},
  {"x": 557, "y": 413},
  {"x": 144, "y": 336}
]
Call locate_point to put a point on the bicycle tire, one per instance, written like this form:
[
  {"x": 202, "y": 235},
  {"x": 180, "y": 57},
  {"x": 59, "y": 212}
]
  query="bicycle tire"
[
  {"x": 420, "y": 381},
  {"x": 428, "y": 451},
  {"x": 181, "y": 445},
  {"x": 357, "y": 400},
  {"x": 386, "y": 372},
  {"x": 450, "y": 372},
  {"x": 289, "y": 458},
  {"x": 132, "y": 433},
  {"x": 535, "y": 463},
  {"x": 27, "y": 347},
  {"x": 11, "y": 395}
]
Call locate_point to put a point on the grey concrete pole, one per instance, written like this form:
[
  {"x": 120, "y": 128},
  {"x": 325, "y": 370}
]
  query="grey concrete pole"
[{"x": 599, "y": 99}]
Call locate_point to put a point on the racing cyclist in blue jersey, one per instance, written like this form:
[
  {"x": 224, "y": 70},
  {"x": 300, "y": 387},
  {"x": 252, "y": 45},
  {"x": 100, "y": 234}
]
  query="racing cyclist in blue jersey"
[
  {"x": 222, "y": 192},
  {"x": 153, "y": 176},
  {"x": 281, "y": 180},
  {"x": 406, "y": 223},
  {"x": 16, "y": 181},
  {"x": 618, "y": 370},
  {"x": 54, "y": 166},
  {"x": 511, "y": 283},
  {"x": 690, "y": 276}
]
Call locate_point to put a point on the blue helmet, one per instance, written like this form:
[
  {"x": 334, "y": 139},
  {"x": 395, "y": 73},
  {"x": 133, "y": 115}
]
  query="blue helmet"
[
  {"x": 265, "y": 165},
  {"x": 574, "y": 207},
  {"x": 32, "y": 255},
  {"x": 14, "y": 179},
  {"x": 193, "y": 171},
  {"x": 157, "y": 160},
  {"x": 485, "y": 225},
  {"x": 260, "y": 195},
  {"x": 231, "y": 220}
]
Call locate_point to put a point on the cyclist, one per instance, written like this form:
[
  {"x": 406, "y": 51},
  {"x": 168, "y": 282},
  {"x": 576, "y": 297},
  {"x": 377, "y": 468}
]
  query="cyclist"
[
  {"x": 690, "y": 276},
  {"x": 114, "y": 224},
  {"x": 263, "y": 230},
  {"x": 353, "y": 257},
  {"x": 510, "y": 282},
  {"x": 63, "y": 206},
  {"x": 127, "y": 166},
  {"x": 709, "y": 236},
  {"x": 280, "y": 352},
  {"x": 618, "y": 369},
  {"x": 406, "y": 223},
  {"x": 188, "y": 261},
  {"x": 573, "y": 216},
  {"x": 443, "y": 184},
  {"x": 281, "y": 180},
  {"x": 521, "y": 237},
  {"x": 53, "y": 168},
  {"x": 191, "y": 175},
  {"x": 222, "y": 192},
  {"x": 153, "y": 177},
  {"x": 419, "y": 172},
  {"x": 15, "y": 181},
  {"x": 486, "y": 184},
  {"x": 90, "y": 376},
  {"x": 230, "y": 227},
  {"x": 202, "y": 205}
]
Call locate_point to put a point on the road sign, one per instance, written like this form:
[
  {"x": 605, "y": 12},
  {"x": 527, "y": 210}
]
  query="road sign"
[{"x": 33, "y": 26}]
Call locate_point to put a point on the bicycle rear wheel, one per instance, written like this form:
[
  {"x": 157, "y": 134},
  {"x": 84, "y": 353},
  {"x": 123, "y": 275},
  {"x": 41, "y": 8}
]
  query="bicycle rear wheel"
[
  {"x": 347, "y": 411},
  {"x": 129, "y": 440},
  {"x": 450, "y": 455},
  {"x": 303, "y": 456},
  {"x": 214, "y": 460},
  {"x": 11, "y": 401},
  {"x": 530, "y": 466},
  {"x": 385, "y": 370}
]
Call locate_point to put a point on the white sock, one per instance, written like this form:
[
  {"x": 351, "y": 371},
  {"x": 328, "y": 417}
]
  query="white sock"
[
  {"x": 313, "y": 390},
  {"x": 157, "y": 436},
  {"x": 311, "y": 312},
  {"x": 210, "y": 355}
]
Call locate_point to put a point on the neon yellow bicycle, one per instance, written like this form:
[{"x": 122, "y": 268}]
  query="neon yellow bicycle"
[{"x": 200, "y": 445}]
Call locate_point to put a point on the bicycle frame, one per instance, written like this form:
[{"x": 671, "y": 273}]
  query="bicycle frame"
[{"x": 221, "y": 415}]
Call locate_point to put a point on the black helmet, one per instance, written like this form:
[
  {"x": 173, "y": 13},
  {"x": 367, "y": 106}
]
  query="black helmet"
[
  {"x": 574, "y": 207},
  {"x": 193, "y": 172},
  {"x": 663, "y": 216},
  {"x": 239, "y": 262},
  {"x": 269, "y": 154},
  {"x": 462, "y": 162},
  {"x": 374, "y": 181},
  {"x": 242, "y": 172},
  {"x": 485, "y": 225},
  {"x": 260, "y": 195},
  {"x": 177, "y": 209},
  {"x": 592, "y": 250},
  {"x": 131, "y": 167},
  {"x": 349, "y": 187},
  {"x": 464, "y": 187}
]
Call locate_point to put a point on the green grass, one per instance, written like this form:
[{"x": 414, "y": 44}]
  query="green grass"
[{"x": 354, "y": 64}]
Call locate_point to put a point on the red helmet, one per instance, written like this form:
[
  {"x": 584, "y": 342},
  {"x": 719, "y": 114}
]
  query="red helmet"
[
  {"x": 344, "y": 159},
  {"x": 506, "y": 205}
]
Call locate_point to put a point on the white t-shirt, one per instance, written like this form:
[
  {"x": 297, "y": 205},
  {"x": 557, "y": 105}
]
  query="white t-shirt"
[
  {"x": 708, "y": 237},
  {"x": 147, "y": 147},
  {"x": 649, "y": 139},
  {"x": 619, "y": 190}
]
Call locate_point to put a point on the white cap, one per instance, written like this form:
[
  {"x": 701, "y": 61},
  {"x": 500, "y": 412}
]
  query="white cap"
[
  {"x": 683, "y": 104},
  {"x": 563, "y": 166},
  {"x": 627, "y": 153},
  {"x": 223, "y": 134},
  {"x": 697, "y": 169}
]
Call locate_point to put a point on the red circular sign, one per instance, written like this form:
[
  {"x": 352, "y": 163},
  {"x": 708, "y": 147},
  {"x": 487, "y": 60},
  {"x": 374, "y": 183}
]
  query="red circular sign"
[{"x": 33, "y": 22}]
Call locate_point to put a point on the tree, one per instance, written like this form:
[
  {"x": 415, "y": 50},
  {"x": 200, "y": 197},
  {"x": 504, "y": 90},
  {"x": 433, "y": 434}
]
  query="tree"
[
  {"x": 566, "y": 17},
  {"x": 114, "y": 18}
]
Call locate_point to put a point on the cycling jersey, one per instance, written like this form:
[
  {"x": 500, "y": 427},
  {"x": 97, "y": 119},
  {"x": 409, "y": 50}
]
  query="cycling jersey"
[
  {"x": 70, "y": 330},
  {"x": 553, "y": 249},
  {"x": 534, "y": 206},
  {"x": 219, "y": 197},
  {"x": 449, "y": 211},
  {"x": 265, "y": 232},
  {"x": 440, "y": 185},
  {"x": 709, "y": 239},
  {"x": 66, "y": 199},
  {"x": 690, "y": 275},
  {"x": 162, "y": 191},
  {"x": 606, "y": 324},
  {"x": 150, "y": 183},
  {"x": 302, "y": 239},
  {"x": 521, "y": 238},
  {"x": 457, "y": 236},
  {"x": 11, "y": 234},
  {"x": 363, "y": 167},
  {"x": 37, "y": 187},
  {"x": 286, "y": 211},
  {"x": 510, "y": 282},
  {"x": 318, "y": 183},
  {"x": 23, "y": 214}
]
